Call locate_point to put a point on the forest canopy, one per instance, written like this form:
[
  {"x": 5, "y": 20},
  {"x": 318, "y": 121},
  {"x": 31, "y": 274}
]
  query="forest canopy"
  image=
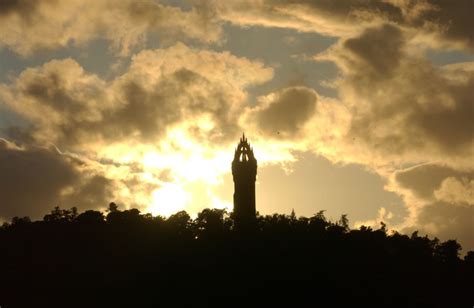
[{"x": 119, "y": 255}]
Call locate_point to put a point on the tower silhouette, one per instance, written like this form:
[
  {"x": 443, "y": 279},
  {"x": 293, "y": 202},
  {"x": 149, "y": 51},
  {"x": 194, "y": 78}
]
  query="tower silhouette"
[{"x": 244, "y": 173}]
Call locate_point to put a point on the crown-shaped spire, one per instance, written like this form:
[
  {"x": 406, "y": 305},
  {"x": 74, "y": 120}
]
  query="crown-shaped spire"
[{"x": 244, "y": 151}]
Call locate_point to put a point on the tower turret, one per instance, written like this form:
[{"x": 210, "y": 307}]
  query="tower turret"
[{"x": 244, "y": 173}]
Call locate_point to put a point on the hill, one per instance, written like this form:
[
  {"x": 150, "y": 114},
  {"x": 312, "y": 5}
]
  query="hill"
[{"x": 125, "y": 258}]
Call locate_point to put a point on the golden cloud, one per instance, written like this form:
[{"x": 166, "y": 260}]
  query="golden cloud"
[
  {"x": 439, "y": 200},
  {"x": 161, "y": 89},
  {"x": 164, "y": 125},
  {"x": 435, "y": 22},
  {"x": 400, "y": 105},
  {"x": 396, "y": 109},
  {"x": 27, "y": 26}
]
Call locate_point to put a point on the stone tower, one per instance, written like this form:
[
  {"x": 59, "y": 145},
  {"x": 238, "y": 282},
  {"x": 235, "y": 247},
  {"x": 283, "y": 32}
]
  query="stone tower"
[{"x": 244, "y": 172}]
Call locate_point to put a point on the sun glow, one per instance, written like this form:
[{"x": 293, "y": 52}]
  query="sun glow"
[
  {"x": 168, "y": 199},
  {"x": 182, "y": 171}
]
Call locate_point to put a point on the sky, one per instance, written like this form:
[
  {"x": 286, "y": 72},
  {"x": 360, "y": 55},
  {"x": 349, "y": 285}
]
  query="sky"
[{"x": 354, "y": 107}]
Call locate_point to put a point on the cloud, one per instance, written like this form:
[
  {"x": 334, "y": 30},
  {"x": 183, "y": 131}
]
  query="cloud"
[
  {"x": 439, "y": 200},
  {"x": 170, "y": 119},
  {"x": 376, "y": 51},
  {"x": 383, "y": 215},
  {"x": 33, "y": 180},
  {"x": 191, "y": 82},
  {"x": 396, "y": 109},
  {"x": 456, "y": 191},
  {"x": 17, "y": 6},
  {"x": 56, "y": 98},
  {"x": 425, "y": 180},
  {"x": 27, "y": 26},
  {"x": 401, "y": 105},
  {"x": 182, "y": 106},
  {"x": 161, "y": 89},
  {"x": 331, "y": 18},
  {"x": 435, "y": 22},
  {"x": 449, "y": 20},
  {"x": 285, "y": 112},
  {"x": 447, "y": 222}
]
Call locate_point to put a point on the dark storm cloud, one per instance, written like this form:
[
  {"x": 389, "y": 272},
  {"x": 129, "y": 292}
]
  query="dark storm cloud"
[
  {"x": 33, "y": 180},
  {"x": 285, "y": 112}
]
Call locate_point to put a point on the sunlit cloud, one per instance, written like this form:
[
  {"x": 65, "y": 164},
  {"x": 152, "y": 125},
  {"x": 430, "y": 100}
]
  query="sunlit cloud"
[
  {"x": 28, "y": 26},
  {"x": 397, "y": 109},
  {"x": 434, "y": 23},
  {"x": 164, "y": 127}
]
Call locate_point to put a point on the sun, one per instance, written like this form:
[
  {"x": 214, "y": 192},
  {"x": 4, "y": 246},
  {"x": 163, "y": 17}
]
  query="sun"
[{"x": 168, "y": 199}]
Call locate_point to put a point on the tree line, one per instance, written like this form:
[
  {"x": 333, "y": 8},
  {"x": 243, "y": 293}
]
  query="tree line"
[{"x": 123, "y": 257}]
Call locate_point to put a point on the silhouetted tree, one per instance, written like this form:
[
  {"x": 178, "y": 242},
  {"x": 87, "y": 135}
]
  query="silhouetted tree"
[
  {"x": 91, "y": 217},
  {"x": 210, "y": 223},
  {"x": 180, "y": 261},
  {"x": 112, "y": 207},
  {"x": 448, "y": 252},
  {"x": 60, "y": 215},
  {"x": 344, "y": 222},
  {"x": 318, "y": 222},
  {"x": 20, "y": 221},
  {"x": 469, "y": 257}
]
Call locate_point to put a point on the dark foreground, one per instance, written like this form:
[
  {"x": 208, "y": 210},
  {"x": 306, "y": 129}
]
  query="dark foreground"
[{"x": 124, "y": 259}]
